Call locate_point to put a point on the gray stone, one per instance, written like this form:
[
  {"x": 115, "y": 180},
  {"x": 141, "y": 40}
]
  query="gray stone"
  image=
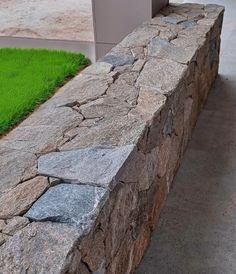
[
  {"x": 140, "y": 37},
  {"x": 95, "y": 166},
  {"x": 124, "y": 92},
  {"x": 34, "y": 139},
  {"x": 66, "y": 117},
  {"x": 80, "y": 90},
  {"x": 161, "y": 75},
  {"x": 188, "y": 24},
  {"x": 138, "y": 52},
  {"x": 165, "y": 50},
  {"x": 39, "y": 248},
  {"x": 118, "y": 60},
  {"x": 98, "y": 68},
  {"x": 185, "y": 42},
  {"x": 75, "y": 205},
  {"x": 15, "y": 166},
  {"x": 168, "y": 35},
  {"x": 2, "y": 224},
  {"x": 172, "y": 20},
  {"x": 115, "y": 131},
  {"x": 138, "y": 65},
  {"x": 105, "y": 107}
]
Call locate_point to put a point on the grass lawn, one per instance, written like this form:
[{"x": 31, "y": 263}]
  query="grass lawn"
[{"x": 28, "y": 77}]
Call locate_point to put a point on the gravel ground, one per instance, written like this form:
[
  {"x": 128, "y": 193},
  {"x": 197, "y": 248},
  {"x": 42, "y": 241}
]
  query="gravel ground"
[{"x": 47, "y": 19}]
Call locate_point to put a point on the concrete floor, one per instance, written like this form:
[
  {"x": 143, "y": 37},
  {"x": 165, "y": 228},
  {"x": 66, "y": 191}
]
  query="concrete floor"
[
  {"x": 197, "y": 230},
  {"x": 47, "y": 19}
]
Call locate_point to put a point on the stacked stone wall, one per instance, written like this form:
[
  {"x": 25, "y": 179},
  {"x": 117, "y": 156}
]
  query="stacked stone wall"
[{"x": 84, "y": 178}]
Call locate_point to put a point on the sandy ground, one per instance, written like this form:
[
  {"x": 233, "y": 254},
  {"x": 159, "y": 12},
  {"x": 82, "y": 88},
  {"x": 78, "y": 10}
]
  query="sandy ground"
[{"x": 47, "y": 19}]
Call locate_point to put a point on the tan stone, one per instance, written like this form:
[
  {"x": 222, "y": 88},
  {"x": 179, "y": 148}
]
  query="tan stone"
[
  {"x": 140, "y": 37},
  {"x": 105, "y": 107},
  {"x": 124, "y": 92},
  {"x": 109, "y": 132},
  {"x": 3, "y": 239},
  {"x": 161, "y": 75},
  {"x": 148, "y": 104},
  {"x": 138, "y": 52},
  {"x": 168, "y": 35},
  {"x": 94, "y": 250},
  {"x": 19, "y": 199},
  {"x": 39, "y": 248},
  {"x": 163, "y": 156},
  {"x": 2, "y": 224},
  {"x": 83, "y": 88},
  {"x": 14, "y": 224},
  {"x": 66, "y": 117},
  {"x": 15, "y": 166},
  {"x": 34, "y": 139}
]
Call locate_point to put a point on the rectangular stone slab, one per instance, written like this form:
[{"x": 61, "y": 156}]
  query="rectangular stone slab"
[{"x": 97, "y": 166}]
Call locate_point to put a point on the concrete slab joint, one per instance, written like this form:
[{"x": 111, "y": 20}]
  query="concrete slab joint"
[{"x": 83, "y": 179}]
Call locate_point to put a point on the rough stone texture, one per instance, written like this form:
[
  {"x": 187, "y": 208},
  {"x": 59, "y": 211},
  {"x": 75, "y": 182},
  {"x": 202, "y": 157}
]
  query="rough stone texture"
[
  {"x": 68, "y": 203},
  {"x": 109, "y": 142},
  {"x": 115, "y": 132},
  {"x": 17, "y": 200},
  {"x": 14, "y": 224},
  {"x": 94, "y": 166},
  {"x": 118, "y": 60},
  {"x": 162, "y": 76},
  {"x": 163, "y": 49},
  {"x": 40, "y": 248},
  {"x": 140, "y": 37},
  {"x": 22, "y": 166},
  {"x": 3, "y": 238}
]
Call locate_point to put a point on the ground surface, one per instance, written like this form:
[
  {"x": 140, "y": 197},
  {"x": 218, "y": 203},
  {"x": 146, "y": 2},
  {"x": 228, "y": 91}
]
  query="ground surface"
[
  {"x": 28, "y": 77},
  {"x": 197, "y": 230},
  {"x": 47, "y": 19}
]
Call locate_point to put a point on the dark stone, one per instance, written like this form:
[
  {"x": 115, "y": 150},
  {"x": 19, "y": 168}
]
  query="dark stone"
[
  {"x": 76, "y": 205},
  {"x": 118, "y": 60},
  {"x": 188, "y": 24}
]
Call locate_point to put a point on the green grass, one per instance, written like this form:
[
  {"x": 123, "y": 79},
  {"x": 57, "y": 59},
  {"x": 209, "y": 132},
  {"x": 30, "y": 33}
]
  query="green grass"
[{"x": 28, "y": 77}]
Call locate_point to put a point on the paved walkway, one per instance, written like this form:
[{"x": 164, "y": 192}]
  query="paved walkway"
[
  {"x": 197, "y": 230},
  {"x": 47, "y": 19}
]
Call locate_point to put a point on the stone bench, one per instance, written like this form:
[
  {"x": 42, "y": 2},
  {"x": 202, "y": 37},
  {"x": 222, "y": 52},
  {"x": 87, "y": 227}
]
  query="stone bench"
[{"x": 84, "y": 178}]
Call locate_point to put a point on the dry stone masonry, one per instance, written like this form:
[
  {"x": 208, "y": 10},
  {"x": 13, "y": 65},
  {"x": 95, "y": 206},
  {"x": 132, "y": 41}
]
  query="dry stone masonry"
[{"x": 84, "y": 178}]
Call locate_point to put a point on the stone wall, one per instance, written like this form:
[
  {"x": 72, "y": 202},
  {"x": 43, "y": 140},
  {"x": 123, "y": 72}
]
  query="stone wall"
[{"x": 84, "y": 178}]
